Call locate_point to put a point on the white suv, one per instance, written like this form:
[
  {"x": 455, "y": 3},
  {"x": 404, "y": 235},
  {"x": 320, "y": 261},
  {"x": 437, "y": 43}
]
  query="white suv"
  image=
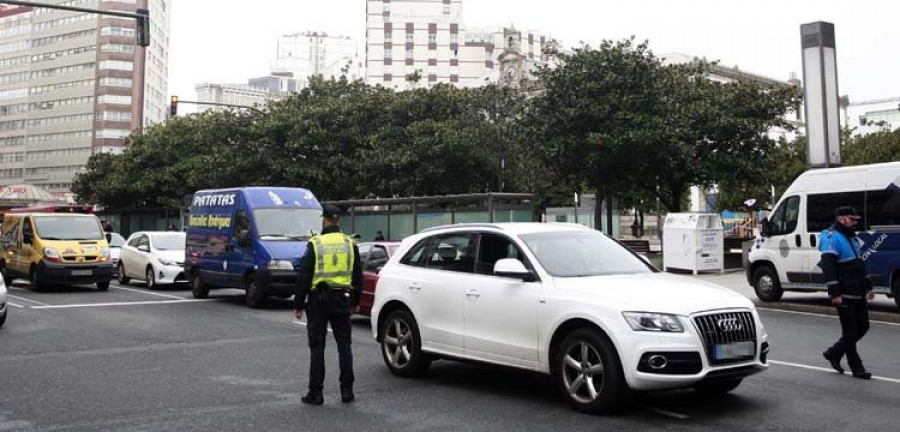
[{"x": 562, "y": 300}]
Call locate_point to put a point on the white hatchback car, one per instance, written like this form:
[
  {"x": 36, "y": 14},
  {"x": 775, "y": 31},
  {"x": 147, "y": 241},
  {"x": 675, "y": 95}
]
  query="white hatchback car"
[
  {"x": 155, "y": 257},
  {"x": 562, "y": 300}
]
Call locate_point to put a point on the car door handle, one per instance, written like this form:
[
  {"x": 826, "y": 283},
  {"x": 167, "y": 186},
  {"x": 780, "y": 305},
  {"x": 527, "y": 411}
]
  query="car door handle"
[
  {"x": 414, "y": 286},
  {"x": 798, "y": 240},
  {"x": 473, "y": 293},
  {"x": 812, "y": 240}
]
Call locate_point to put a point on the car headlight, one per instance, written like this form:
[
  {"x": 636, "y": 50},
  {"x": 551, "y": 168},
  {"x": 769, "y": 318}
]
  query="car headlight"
[
  {"x": 168, "y": 263},
  {"x": 50, "y": 252},
  {"x": 653, "y": 322},
  {"x": 280, "y": 265}
]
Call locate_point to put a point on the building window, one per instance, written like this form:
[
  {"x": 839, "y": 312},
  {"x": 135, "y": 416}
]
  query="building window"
[
  {"x": 116, "y": 82},
  {"x": 388, "y": 53},
  {"x": 409, "y": 38},
  {"x": 117, "y": 31},
  {"x": 113, "y": 133},
  {"x": 432, "y": 38},
  {"x": 388, "y": 36},
  {"x": 117, "y": 65},
  {"x": 117, "y": 48},
  {"x": 117, "y": 116},
  {"x": 446, "y": 10},
  {"x": 409, "y": 53},
  {"x": 114, "y": 99}
]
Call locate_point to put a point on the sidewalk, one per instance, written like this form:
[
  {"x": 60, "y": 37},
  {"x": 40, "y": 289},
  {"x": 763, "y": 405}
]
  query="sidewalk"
[{"x": 882, "y": 308}]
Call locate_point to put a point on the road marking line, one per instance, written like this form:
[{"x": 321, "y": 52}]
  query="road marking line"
[
  {"x": 142, "y": 303},
  {"x": 671, "y": 414},
  {"x": 829, "y": 370},
  {"x": 28, "y": 300},
  {"x": 16, "y": 305},
  {"x": 822, "y": 315},
  {"x": 149, "y": 293}
]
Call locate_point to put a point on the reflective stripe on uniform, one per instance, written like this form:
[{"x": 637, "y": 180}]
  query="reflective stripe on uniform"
[{"x": 334, "y": 260}]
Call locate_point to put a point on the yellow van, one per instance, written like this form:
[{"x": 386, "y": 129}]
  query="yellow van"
[{"x": 54, "y": 248}]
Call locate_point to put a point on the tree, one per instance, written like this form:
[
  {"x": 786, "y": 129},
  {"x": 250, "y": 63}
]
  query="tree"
[
  {"x": 597, "y": 112},
  {"x": 876, "y": 147}
]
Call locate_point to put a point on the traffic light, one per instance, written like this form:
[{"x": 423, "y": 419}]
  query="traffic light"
[
  {"x": 173, "y": 111},
  {"x": 142, "y": 32}
]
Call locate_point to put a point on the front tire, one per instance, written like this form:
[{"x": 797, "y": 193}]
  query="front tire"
[
  {"x": 7, "y": 277},
  {"x": 120, "y": 274},
  {"x": 37, "y": 283},
  {"x": 150, "y": 278},
  {"x": 3, "y": 319},
  {"x": 767, "y": 285},
  {"x": 718, "y": 388},
  {"x": 254, "y": 296},
  {"x": 401, "y": 345},
  {"x": 589, "y": 373},
  {"x": 199, "y": 289},
  {"x": 103, "y": 286}
]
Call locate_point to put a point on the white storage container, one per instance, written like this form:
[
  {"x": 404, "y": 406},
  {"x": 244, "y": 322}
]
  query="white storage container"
[{"x": 694, "y": 241}]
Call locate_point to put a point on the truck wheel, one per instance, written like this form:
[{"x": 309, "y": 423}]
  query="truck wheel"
[
  {"x": 254, "y": 296},
  {"x": 199, "y": 289},
  {"x": 767, "y": 285}
]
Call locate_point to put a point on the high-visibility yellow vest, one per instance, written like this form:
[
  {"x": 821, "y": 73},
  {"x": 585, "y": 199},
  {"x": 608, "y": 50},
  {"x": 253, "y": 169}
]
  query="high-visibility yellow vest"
[{"x": 334, "y": 260}]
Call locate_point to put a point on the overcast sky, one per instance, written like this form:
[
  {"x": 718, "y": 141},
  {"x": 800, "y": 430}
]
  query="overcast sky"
[{"x": 229, "y": 41}]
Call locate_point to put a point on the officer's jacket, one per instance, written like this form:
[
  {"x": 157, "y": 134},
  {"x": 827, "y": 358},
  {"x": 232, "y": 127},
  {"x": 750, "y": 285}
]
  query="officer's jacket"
[{"x": 842, "y": 264}]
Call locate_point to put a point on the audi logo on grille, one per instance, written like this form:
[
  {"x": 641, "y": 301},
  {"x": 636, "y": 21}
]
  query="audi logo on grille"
[{"x": 729, "y": 324}]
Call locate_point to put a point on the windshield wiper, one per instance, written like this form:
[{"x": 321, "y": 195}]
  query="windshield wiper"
[
  {"x": 299, "y": 237},
  {"x": 274, "y": 235}
]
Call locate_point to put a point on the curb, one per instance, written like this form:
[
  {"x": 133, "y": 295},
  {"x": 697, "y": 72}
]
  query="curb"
[{"x": 825, "y": 310}]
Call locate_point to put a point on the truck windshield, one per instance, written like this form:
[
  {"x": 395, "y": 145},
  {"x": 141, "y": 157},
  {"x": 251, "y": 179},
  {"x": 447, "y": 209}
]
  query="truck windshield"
[
  {"x": 68, "y": 228},
  {"x": 287, "y": 223}
]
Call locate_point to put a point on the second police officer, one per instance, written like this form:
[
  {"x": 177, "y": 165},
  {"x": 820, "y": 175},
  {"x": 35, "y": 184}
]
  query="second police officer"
[{"x": 328, "y": 290}]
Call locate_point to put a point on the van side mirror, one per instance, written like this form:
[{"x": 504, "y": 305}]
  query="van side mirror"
[
  {"x": 513, "y": 268},
  {"x": 765, "y": 227},
  {"x": 243, "y": 238}
]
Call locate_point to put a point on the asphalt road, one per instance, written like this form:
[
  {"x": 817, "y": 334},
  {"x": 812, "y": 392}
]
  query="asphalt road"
[{"x": 133, "y": 360}]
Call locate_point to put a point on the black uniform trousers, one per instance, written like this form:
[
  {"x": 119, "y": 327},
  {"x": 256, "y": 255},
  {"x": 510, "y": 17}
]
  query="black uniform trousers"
[
  {"x": 324, "y": 307},
  {"x": 854, "y": 315}
]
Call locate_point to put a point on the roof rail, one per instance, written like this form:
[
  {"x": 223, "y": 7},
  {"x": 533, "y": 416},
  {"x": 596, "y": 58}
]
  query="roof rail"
[{"x": 463, "y": 225}]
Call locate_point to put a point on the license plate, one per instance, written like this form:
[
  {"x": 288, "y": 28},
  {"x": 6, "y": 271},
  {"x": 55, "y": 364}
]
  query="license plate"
[
  {"x": 734, "y": 350},
  {"x": 82, "y": 272}
]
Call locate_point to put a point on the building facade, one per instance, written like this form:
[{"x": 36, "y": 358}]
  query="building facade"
[
  {"x": 427, "y": 39},
  {"x": 870, "y": 116},
  {"x": 71, "y": 85},
  {"x": 255, "y": 93},
  {"x": 317, "y": 53}
]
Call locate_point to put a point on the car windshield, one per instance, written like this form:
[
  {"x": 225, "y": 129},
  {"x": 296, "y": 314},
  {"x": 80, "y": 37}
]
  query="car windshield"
[
  {"x": 68, "y": 228},
  {"x": 116, "y": 240},
  {"x": 168, "y": 241},
  {"x": 287, "y": 223},
  {"x": 583, "y": 253}
]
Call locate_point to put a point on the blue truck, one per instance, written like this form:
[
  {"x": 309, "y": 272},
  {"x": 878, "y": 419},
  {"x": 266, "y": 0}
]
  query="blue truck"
[{"x": 249, "y": 238}]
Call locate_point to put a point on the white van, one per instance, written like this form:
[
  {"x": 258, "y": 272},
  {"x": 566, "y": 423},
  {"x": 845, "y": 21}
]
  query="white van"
[{"x": 785, "y": 256}]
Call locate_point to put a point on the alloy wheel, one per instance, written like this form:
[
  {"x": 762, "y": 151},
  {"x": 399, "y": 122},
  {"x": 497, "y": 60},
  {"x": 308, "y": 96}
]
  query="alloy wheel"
[
  {"x": 398, "y": 343},
  {"x": 583, "y": 372}
]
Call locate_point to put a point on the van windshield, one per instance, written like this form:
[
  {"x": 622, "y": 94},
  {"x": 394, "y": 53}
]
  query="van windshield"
[
  {"x": 68, "y": 228},
  {"x": 287, "y": 224}
]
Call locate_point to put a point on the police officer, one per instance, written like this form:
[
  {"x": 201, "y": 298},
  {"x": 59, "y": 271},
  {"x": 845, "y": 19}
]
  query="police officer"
[
  {"x": 848, "y": 287},
  {"x": 328, "y": 289}
]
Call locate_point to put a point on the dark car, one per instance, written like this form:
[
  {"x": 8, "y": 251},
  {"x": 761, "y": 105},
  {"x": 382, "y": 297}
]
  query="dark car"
[{"x": 374, "y": 255}]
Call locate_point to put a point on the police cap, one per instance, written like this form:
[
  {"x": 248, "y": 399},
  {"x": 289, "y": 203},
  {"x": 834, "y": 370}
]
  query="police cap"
[{"x": 331, "y": 211}]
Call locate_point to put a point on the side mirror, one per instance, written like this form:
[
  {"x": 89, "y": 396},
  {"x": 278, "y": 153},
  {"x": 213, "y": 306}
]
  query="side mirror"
[
  {"x": 765, "y": 227},
  {"x": 143, "y": 248},
  {"x": 513, "y": 268},
  {"x": 243, "y": 238}
]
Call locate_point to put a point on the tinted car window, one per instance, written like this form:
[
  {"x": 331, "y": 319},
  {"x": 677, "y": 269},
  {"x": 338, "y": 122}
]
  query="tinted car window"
[
  {"x": 493, "y": 248},
  {"x": 455, "y": 252},
  {"x": 882, "y": 208},
  {"x": 417, "y": 255},
  {"x": 820, "y": 208},
  {"x": 377, "y": 258},
  {"x": 364, "y": 250},
  {"x": 134, "y": 241}
]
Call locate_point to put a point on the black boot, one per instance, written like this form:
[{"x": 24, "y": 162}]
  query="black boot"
[
  {"x": 313, "y": 399},
  {"x": 862, "y": 374},
  {"x": 347, "y": 395},
  {"x": 835, "y": 361}
]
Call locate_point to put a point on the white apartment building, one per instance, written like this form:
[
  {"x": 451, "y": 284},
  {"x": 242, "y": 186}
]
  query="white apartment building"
[
  {"x": 317, "y": 53},
  {"x": 427, "y": 36},
  {"x": 864, "y": 117},
  {"x": 247, "y": 95},
  {"x": 70, "y": 87}
]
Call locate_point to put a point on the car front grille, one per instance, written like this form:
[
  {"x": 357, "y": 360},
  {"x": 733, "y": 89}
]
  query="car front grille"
[{"x": 726, "y": 328}]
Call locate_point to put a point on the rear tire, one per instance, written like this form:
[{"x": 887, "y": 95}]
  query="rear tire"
[
  {"x": 895, "y": 290},
  {"x": 7, "y": 277},
  {"x": 254, "y": 296},
  {"x": 120, "y": 274},
  {"x": 401, "y": 345},
  {"x": 199, "y": 289},
  {"x": 718, "y": 388},
  {"x": 767, "y": 285},
  {"x": 589, "y": 373},
  {"x": 103, "y": 286},
  {"x": 3, "y": 318}
]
